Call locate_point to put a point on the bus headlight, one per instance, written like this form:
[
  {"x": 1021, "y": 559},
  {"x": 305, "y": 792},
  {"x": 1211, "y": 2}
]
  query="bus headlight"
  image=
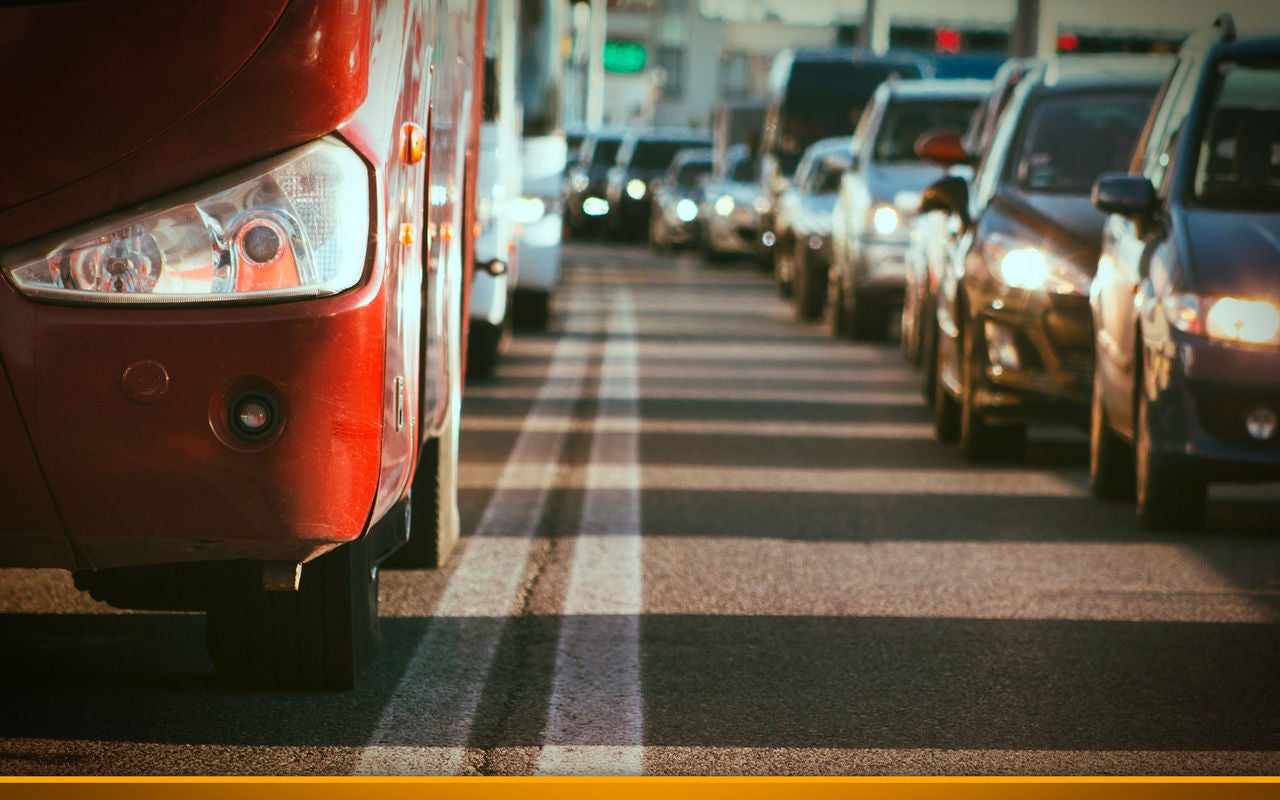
[{"x": 296, "y": 226}]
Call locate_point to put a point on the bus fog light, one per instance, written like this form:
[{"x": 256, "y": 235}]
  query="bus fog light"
[
  {"x": 254, "y": 417},
  {"x": 1261, "y": 423}
]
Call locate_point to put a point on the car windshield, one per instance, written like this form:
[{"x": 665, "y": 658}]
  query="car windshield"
[
  {"x": 1071, "y": 140},
  {"x": 905, "y": 120},
  {"x": 744, "y": 170},
  {"x": 1238, "y": 157},
  {"x": 690, "y": 172},
  {"x": 658, "y": 153},
  {"x": 605, "y": 152}
]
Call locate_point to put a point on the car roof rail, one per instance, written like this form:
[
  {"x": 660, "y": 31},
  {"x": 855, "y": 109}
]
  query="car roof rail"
[{"x": 1226, "y": 25}]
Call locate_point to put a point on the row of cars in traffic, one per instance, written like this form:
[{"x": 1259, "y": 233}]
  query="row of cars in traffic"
[{"x": 1090, "y": 239}]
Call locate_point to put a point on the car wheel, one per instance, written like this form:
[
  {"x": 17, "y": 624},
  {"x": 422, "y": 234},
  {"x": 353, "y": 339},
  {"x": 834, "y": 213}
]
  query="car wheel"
[
  {"x": 485, "y": 344},
  {"x": 946, "y": 411},
  {"x": 320, "y": 636},
  {"x": 833, "y": 313},
  {"x": 929, "y": 355},
  {"x": 810, "y": 288},
  {"x": 1110, "y": 459},
  {"x": 531, "y": 309},
  {"x": 868, "y": 318},
  {"x": 1168, "y": 498},
  {"x": 784, "y": 268},
  {"x": 980, "y": 440}
]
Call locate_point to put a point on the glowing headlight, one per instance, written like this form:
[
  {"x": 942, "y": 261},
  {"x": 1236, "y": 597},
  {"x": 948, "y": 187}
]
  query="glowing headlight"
[
  {"x": 636, "y": 189},
  {"x": 761, "y": 204},
  {"x": 527, "y": 210},
  {"x": 884, "y": 219},
  {"x": 595, "y": 206},
  {"x": 724, "y": 205},
  {"x": 1228, "y": 319},
  {"x": 580, "y": 182},
  {"x": 686, "y": 210},
  {"x": 1032, "y": 268},
  {"x": 1024, "y": 268},
  {"x": 298, "y": 227}
]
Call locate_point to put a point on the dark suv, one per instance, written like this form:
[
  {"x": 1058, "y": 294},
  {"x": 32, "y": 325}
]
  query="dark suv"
[
  {"x": 1014, "y": 342},
  {"x": 1186, "y": 302}
]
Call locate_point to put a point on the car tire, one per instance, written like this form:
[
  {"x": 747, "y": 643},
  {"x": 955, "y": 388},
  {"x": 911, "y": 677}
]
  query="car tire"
[
  {"x": 1111, "y": 475},
  {"x": 784, "y": 264},
  {"x": 833, "y": 313},
  {"x": 929, "y": 356},
  {"x": 531, "y": 309},
  {"x": 946, "y": 411},
  {"x": 1168, "y": 498},
  {"x": 810, "y": 287},
  {"x": 980, "y": 440},
  {"x": 868, "y": 319},
  {"x": 320, "y": 636},
  {"x": 485, "y": 344}
]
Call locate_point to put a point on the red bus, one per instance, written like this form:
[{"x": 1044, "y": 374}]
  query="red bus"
[{"x": 234, "y": 241}]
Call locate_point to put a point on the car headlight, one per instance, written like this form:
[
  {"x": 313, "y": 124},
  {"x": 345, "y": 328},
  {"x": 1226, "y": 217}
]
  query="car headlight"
[
  {"x": 580, "y": 182},
  {"x": 885, "y": 220},
  {"x": 686, "y": 210},
  {"x": 1025, "y": 266},
  {"x": 526, "y": 210},
  {"x": 724, "y": 205},
  {"x": 1226, "y": 319},
  {"x": 636, "y": 189},
  {"x": 296, "y": 226},
  {"x": 595, "y": 206}
]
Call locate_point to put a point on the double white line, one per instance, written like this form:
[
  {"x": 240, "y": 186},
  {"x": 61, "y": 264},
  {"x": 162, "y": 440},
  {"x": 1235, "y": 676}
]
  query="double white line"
[{"x": 595, "y": 721}]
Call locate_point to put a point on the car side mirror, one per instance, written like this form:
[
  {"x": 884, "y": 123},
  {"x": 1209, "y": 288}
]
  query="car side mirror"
[
  {"x": 949, "y": 195},
  {"x": 942, "y": 147},
  {"x": 1128, "y": 195}
]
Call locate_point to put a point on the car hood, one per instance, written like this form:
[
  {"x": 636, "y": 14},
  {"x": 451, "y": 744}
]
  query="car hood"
[
  {"x": 1071, "y": 219},
  {"x": 1234, "y": 252},
  {"x": 886, "y": 180},
  {"x": 100, "y": 97}
]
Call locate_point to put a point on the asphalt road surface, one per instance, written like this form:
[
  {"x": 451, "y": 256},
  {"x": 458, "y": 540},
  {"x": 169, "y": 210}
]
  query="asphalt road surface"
[{"x": 701, "y": 538}]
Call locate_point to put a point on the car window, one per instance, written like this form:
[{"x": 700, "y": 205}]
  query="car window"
[
  {"x": 1174, "y": 92},
  {"x": 826, "y": 179},
  {"x": 744, "y": 170},
  {"x": 656, "y": 154},
  {"x": 1071, "y": 139},
  {"x": 905, "y": 120},
  {"x": 691, "y": 172},
  {"x": 1238, "y": 154},
  {"x": 605, "y": 152}
]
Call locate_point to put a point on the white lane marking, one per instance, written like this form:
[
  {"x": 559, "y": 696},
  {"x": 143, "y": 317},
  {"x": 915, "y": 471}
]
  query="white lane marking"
[
  {"x": 887, "y": 481},
  {"x": 595, "y": 722},
  {"x": 425, "y": 727},
  {"x": 725, "y": 394},
  {"x": 737, "y": 428}
]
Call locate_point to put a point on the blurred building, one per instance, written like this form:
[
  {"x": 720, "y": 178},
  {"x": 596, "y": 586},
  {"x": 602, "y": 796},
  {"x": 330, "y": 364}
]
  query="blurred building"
[{"x": 700, "y": 52}]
